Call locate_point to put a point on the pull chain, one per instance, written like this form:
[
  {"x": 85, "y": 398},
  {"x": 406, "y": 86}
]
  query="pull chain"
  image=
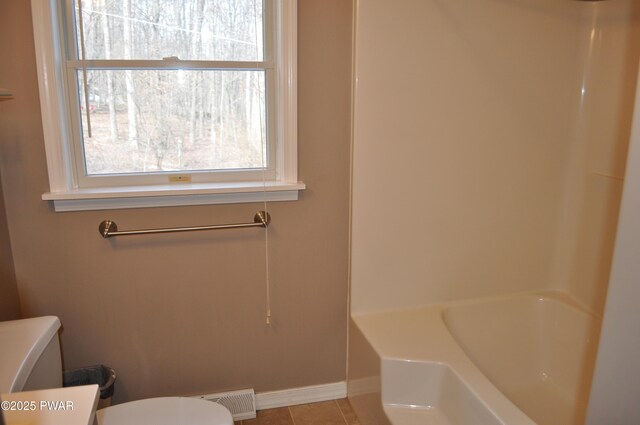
[{"x": 264, "y": 176}]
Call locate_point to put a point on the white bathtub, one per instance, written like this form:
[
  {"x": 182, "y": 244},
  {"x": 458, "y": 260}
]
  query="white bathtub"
[
  {"x": 522, "y": 359},
  {"x": 537, "y": 350}
]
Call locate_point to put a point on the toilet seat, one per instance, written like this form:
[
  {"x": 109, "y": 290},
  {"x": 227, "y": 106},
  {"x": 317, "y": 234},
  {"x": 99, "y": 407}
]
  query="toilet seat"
[{"x": 166, "y": 411}]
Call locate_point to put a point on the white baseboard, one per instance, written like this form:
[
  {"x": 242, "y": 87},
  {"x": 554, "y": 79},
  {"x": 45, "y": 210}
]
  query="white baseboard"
[{"x": 302, "y": 395}]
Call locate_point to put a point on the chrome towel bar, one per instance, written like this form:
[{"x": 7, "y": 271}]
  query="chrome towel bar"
[{"x": 109, "y": 228}]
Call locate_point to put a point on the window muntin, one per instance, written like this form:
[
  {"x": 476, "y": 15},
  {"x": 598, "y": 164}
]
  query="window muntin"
[{"x": 152, "y": 117}]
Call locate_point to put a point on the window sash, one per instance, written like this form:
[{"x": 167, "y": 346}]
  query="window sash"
[
  {"x": 72, "y": 65},
  {"x": 83, "y": 180}
]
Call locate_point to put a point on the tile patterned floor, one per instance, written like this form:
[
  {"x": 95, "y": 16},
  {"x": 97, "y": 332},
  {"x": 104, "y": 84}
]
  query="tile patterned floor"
[{"x": 334, "y": 412}]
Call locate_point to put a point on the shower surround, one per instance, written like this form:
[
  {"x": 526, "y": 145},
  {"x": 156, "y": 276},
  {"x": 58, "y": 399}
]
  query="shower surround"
[{"x": 490, "y": 143}]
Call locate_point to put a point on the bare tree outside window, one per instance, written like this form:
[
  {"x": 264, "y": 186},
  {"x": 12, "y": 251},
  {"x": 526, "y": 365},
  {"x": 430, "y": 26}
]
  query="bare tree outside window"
[{"x": 164, "y": 120}]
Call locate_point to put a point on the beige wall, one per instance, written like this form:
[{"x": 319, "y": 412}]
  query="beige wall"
[
  {"x": 9, "y": 302},
  {"x": 480, "y": 164},
  {"x": 185, "y": 313}
]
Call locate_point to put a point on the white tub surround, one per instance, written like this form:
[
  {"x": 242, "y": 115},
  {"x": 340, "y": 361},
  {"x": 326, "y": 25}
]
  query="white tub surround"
[
  {"x": 489, "y": 148},
  {"x": 481, "y": 362}
]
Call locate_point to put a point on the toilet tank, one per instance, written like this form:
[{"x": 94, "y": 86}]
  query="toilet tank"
[{"x": 30, "y": 355}]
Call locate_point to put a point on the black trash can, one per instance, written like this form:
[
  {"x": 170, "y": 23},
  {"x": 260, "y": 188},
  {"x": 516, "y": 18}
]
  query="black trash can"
[{"x": 101, "y": 375}]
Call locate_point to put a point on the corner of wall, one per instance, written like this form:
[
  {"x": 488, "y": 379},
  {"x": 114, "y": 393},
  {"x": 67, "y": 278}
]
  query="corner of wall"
[{"x": 9, "y": 300}]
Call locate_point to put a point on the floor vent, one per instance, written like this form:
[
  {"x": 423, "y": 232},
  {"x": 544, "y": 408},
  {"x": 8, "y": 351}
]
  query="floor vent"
[{"x": 241, "y": 403}]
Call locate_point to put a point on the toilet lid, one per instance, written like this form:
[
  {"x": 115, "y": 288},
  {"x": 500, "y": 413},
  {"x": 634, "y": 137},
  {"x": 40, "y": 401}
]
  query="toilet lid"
[{"x": 165, "y": 411}]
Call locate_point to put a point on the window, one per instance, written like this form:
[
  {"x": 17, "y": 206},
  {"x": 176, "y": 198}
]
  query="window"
[{"x": 166, "y": 102}]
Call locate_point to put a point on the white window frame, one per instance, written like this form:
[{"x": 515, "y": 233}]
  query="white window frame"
[{"x": 64, "y": 190}]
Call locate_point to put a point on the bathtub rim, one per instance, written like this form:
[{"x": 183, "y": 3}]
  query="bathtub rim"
[{"x": 421, "y": 335}]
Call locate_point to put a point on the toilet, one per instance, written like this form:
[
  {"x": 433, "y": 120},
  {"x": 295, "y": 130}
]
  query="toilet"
[{"x": 30, "y": 360}]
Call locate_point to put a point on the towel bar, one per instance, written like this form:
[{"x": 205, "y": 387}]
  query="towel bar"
[{"x": 109, "y": 228}]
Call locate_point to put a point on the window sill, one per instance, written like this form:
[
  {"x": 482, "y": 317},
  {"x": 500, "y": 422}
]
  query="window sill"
[{"x": 179, "y": 194}]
